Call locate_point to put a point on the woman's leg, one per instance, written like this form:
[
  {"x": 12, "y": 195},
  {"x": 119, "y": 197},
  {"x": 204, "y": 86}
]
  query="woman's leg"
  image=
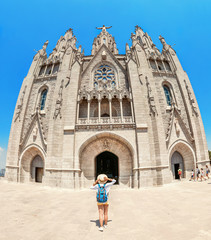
[
  {"x": 106, "y": 214},
  {"x": 100, "y": 209}
]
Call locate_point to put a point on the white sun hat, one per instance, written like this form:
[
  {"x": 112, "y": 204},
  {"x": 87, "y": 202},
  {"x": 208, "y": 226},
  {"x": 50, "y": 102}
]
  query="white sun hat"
[{"x": 101, "y": 178}]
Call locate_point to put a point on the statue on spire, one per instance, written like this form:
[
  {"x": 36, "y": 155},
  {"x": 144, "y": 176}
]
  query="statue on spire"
[{"x": 103, "y": 28}]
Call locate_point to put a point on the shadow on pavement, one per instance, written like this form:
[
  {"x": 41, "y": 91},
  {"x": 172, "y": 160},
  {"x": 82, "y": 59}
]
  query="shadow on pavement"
[{"x": 97, "y": 222}]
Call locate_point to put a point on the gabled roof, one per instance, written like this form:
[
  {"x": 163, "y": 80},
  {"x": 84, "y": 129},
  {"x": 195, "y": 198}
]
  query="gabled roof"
[
  {"x": 110, "y": 54},
  {"x": 36, "y": 119},
  {"x": 176, "y": 114}
]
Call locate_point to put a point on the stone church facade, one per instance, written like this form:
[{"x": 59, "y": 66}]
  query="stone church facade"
[{"x": 133, "y": 116}]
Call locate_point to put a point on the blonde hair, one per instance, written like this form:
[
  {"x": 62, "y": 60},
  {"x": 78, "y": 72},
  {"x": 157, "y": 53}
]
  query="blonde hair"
[{"x": 101, "y": 178}]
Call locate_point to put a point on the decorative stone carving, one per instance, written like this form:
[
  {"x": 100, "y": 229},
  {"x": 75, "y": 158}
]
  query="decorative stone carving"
[
  {"x": 64, "y": 46},
  {"x": 166, "y": 46},
  {"x": 106, "y": 144},
  {"x": 173, "y": 105},
  {"x": 85, "y": 93},
  {"x": 68, "y": 81},
  {"x": 55, "y": 56},
  {"x": 35, "y": 131},
  {"x": 36, "y": 120},
  {"x": 42, "y": 52},
  {"x": 20, "y": 106},
  {"x": 174, "y": 119},
  {"x": 176, "y": 124},
  {"x": 192, "y": 101},
  {"x": 103, "y": 55},
  {"x": 59, "y": 100},
  {"x": 128, "y": 52},
  {"x": 134, "y": 39},
  {"x": 151, "y": 100}
]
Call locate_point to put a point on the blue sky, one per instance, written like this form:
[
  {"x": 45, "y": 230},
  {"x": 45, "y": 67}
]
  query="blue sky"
[{"x": 26, "y": 25}]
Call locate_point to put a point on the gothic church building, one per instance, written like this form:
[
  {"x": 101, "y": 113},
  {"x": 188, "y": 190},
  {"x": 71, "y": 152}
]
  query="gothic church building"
[{"x": 132, "y": 116}]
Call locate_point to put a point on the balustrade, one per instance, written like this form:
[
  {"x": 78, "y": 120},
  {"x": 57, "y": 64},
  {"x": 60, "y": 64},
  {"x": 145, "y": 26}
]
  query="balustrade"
[
  {"x": 128, "y": 119},
  {"x": 106, "y": 120},
  {"x": 93, "y": 120}
]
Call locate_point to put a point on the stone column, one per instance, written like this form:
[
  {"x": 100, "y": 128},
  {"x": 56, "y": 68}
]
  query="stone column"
[
  {"x": 78, "y": 105},
  {"x": 110, "y": 109},
  {"x": 164, "y": 66},
  {"x": 45, "y": 70},
  {"x": 99, "y": 109},
  {"x": 121, "y": 109},
  {"x": 88, "y": 111},
  {"x": 157, "y": 65},
  {"x": 131, "y": 105}
]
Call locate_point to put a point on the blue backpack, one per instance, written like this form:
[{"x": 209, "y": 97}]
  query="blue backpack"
[{"x": 101, "y": 194}]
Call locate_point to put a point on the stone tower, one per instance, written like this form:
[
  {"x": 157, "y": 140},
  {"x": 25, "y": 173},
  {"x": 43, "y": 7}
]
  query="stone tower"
[{"x": 133, "y": 116}]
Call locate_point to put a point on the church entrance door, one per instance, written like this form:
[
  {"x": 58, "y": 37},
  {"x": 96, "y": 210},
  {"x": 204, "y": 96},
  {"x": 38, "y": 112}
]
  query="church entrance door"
[
  {"x": 38, "y": 174},
  {"x": 176, "y": 168},
  {"x": 37, "y": 169},
  {"x": 107, "y": 163},
  {"x": 176, "y": 163}
]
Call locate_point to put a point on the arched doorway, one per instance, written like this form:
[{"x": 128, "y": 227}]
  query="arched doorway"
[
  {"x": 107, "y": 163},
  {"x": 31, "y": 158},
  {"x": 110, "y": 143},
  {"x": 37, "y": 166},
  {"x": 177, "y": 163}
]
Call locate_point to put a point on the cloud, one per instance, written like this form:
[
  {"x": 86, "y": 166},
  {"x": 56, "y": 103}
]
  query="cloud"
[{"x": 1, "y": 149}]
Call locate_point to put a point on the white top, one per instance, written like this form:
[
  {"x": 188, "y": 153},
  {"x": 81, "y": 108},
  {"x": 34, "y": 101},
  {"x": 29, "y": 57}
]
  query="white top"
[{"x": 107, "y": 186}]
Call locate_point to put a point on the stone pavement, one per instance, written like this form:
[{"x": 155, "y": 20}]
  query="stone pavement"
[{"x": 180, "y": 210}]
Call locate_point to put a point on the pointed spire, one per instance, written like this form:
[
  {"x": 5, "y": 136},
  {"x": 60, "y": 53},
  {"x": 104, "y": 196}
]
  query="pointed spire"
[
  {"x": 69, "y": 33},
  {"x": 127, "y": 47},
  {"x": 128, "y": 52},
  {"x": 41, "y": 52},
  {"x": 166, "y": 46},
  {"x": 79, "y": 49},
  {"x": 163, "y": 41}
]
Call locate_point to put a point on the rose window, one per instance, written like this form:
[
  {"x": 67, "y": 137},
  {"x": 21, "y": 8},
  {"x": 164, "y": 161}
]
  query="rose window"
[{"x": 104, "y": 77}]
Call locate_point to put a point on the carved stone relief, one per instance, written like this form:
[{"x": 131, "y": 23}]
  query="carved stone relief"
[
  {"x": 106, "y": 144},
  {"x": 35, "y": 131},
  {"x": 42, "y": 52},
  {"x": 20, "y": 106},
  {"x": 151, "y": 100},
  {"x": 59, "y": 100},
  {"x": 192, "y": 101},
  {"x": 176, "y": 124}
]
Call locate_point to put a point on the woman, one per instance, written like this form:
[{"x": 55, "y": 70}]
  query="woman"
[
  {"x": 207, "y": 172},
  {"x": 180, "y": 173},
  {"x": 202, "y": 174},
  {"x": 102, "y": 188},
  {"x": 197, "y": 173},
  {"x": 192, "y": 175}
]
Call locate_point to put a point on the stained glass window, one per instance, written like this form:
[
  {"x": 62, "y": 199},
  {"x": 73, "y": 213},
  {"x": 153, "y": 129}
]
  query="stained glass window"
[
  {"x": 104, "y": 77},
  {"x": 167, "y": 94},
  {"x": 43, "y": 99}
]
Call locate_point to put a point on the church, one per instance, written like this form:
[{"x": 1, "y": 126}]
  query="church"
[{"x": 132, "y": 116}]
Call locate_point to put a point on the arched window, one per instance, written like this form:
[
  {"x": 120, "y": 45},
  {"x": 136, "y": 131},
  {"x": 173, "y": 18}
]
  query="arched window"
[
  {"x": 167, "y": 94},
  {"x": 43, "y": 99}
]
